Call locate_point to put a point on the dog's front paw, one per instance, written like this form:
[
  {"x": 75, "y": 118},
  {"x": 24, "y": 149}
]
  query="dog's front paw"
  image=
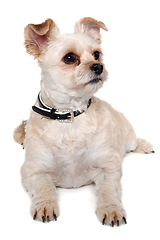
[
  {"x": 111, "y": 214},
  {"x": 45, "y": 211}
]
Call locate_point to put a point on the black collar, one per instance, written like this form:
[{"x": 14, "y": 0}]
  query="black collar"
[{"x": 66, "y": 116}]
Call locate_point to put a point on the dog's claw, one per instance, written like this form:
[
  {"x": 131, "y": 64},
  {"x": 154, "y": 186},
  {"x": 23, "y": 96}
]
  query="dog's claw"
[
  {"x": 22, "y": 145},
  {"x": 103, "y": 221},
  {"x": 124, "y": 219},
  {"x": 43, "y": 219},
  {"x": 34, "y": 217},
  {"x": 112, "y": 223},
  {"x": 55, "y": 217},
  {"x": 151, "y": 152}
]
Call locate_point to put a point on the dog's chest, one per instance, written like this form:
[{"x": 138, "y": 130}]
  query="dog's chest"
[
  {"x": 70, "y": 160},
  {"x": 69, "y": 138},
  {"x": 70, "y": 145}
]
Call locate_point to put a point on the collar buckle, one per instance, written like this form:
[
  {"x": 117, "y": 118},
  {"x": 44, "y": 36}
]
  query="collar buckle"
[{"x": 70, "y": 115}]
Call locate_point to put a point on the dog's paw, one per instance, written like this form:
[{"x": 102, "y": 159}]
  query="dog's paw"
[
  {"x": 111, "y": 215},
  {"x": 44, "y": 211},
  {"x": 143, "y": 146}
]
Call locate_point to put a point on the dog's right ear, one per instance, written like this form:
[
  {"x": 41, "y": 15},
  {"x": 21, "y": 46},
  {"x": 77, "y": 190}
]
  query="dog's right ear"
[{"x": 37, "y": 36}]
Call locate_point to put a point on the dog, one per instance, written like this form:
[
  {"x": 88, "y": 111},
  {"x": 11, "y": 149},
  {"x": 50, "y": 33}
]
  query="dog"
[{"x": 72, "y": 138}]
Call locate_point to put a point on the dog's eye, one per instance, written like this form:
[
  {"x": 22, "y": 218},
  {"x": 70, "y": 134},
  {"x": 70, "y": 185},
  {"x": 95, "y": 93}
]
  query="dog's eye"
[
  {"x": 96, "y": 55},
  {"x": 70, "y": 58}
]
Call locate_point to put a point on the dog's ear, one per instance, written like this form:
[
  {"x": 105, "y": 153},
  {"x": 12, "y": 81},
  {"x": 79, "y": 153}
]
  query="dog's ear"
[
  {"x": 37, "y": 36},
  {"x": 91, "y": 27}
]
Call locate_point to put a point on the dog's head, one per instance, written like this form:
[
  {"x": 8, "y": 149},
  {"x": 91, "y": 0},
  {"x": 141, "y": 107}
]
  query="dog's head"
[{"x": 71, "y": 64}]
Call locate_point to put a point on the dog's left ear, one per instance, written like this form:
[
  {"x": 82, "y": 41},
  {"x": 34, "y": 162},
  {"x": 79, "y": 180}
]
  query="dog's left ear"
[{"x": 91, "y": 27}]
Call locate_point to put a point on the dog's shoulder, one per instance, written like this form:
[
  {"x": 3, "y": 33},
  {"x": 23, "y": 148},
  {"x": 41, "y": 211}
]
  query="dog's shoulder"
[
  {"x": 100, "y": 107},
  {"x": 104, "y": 110}
]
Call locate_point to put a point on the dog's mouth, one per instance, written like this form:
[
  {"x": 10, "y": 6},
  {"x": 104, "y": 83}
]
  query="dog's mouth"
[{"x": 94, "y": 81}]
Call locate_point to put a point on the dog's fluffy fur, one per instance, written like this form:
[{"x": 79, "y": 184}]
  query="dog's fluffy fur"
[{"x": 88, "y": 150}]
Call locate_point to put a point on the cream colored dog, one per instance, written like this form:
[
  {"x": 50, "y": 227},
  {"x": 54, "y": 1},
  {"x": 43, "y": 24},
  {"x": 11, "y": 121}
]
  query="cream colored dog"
[{"x": 73, "y": 138}]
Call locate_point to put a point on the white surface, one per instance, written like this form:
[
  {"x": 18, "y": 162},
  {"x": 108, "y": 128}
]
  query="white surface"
[{"x": 132, "y": 57}]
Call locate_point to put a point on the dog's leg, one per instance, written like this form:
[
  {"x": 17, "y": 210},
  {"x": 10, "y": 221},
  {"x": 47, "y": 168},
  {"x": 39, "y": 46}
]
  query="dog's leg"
[
  {"x": 143, "y": 146},
  {"x": 134, "y": 144},
  {"x": 108, "y": 186},
  {"x": 42, "y": 191}
]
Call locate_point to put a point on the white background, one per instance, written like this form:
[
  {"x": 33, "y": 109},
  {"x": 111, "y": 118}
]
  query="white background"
[{"x": 132, "y": 57}]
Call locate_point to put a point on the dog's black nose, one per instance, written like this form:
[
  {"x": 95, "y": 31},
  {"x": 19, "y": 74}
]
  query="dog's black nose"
[{"x": 97, "y": 68}]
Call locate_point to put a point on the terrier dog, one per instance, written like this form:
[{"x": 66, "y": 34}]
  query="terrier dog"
[{"x": 72, "y": 138}]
